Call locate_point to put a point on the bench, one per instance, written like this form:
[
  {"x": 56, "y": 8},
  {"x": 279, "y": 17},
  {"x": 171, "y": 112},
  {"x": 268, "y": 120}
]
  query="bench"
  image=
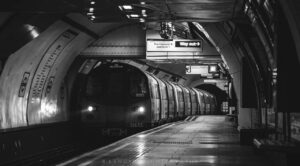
[
  {"x": 232, "y": 117},
  {"x": 290, "y": 150},
  {"x": 275, "y": 145},
  {"x": 247, "y": 135}
]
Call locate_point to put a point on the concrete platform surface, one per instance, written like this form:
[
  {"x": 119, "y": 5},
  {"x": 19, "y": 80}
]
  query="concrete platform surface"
[{"x": 204, "y": 141}]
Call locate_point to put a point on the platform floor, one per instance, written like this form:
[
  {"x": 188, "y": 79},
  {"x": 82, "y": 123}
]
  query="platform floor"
[{"x": 205, "y": 141}]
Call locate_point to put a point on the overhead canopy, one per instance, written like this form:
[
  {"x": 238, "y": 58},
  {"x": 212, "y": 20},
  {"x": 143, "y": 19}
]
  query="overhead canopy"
[
  {"x": 123, "y": 42},
  {"x": 193, "y": 10}
]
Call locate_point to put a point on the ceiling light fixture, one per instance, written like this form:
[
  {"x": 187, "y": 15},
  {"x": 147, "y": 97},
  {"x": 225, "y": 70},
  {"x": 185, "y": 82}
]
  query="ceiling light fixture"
[
  {"x": 134, "y": 15},
  {"x": 127, "y": 7},
  {"x": 91, "y": 9},
  {"x": 144, "y": 13}
]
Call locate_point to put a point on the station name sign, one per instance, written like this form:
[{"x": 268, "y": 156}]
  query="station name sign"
[
  {"x": 196, "y": 69},
  {"x": 175, "y": 45}
]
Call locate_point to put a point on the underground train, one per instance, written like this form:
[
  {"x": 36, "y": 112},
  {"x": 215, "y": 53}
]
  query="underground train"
[{"x": 118, "y": 96}]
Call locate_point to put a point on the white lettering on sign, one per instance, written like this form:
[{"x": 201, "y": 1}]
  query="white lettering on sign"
[
  {"x": 197, "y": 69},
  {"x": 188, "y": 43},
  {"x": 47, "y": 62},
  {"x": 159, "y": 45},
  {"x": 24, "y": 84},
  {"x": 176, "y": 45}
]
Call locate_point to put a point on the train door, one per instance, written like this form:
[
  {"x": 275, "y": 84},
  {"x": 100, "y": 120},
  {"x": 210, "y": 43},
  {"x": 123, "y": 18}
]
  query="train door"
[
  {"x": 180, "y": 101},
  {"x": 176, "y": 101},
  {"x": 163, "y": 100},
  {"x": 171, "y": 101},
  {"x": 155, "y": 99},
  {"x": 193, "y": 102},
  {"x": 198, "y": 101},
  {"x": 187, "y": 101}
]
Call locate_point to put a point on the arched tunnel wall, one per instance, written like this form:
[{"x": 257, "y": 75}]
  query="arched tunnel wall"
[
  {"x": 32, "y": 90},
  {"x": 32, "y": 77},
  {"x": 232, "y": 55},
  {"x": 29, "y": 83},
  {"x": 292, "y": 14}
]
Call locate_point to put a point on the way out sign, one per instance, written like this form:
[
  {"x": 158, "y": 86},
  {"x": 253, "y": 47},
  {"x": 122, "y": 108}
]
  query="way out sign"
[
  {"x": 175, "y": 45},
  {"x": 197, "y": 44}
]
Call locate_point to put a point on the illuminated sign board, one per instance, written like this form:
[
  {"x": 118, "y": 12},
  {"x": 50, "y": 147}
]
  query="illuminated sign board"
[
  {"x": 197, "y": 69},
  {"x": 175, "y": 45},
  {"x": 197, "y": 44},
  {"x": 213, "y": 69}
]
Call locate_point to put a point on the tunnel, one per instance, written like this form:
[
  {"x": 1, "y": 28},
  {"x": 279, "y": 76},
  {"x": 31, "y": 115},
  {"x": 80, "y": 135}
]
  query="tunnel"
[
  {"x": 221, "y": 95},
  {"x": 78, "y": 77}
]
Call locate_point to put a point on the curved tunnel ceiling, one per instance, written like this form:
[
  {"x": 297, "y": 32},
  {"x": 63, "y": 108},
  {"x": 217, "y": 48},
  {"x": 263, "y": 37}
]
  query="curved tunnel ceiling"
[
  {"x": 69, "y": 46},
  {"x": 191, "y": 10}
]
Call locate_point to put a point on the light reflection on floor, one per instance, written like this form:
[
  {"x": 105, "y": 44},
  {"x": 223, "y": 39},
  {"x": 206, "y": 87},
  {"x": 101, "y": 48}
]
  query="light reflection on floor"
[{"x": 209, "y": 140}]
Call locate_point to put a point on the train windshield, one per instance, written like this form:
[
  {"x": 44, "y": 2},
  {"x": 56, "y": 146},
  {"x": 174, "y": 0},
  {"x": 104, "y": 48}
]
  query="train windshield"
[
  {"x": 138, "y": 85},
  {"x": 103, "y": 86}
]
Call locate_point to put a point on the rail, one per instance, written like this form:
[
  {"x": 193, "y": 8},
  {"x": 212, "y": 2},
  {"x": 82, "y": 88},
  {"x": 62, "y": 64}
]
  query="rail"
[{"x": 44, "y": 158}]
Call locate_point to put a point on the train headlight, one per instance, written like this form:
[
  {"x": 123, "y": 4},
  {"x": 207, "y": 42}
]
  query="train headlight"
[
  {"x": 141, "y": 109},
  {"x": 90, "y": 108}
]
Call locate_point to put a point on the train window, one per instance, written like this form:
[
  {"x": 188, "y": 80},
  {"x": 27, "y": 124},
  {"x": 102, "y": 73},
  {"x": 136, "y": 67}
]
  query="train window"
[
  {"x": 116, "y": 84},
  {"x": 138, "y": 86},
  {"x": 94, "y": 87}
]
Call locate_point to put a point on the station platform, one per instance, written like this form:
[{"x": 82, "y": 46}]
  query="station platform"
[{"x": 203, "y": 140}]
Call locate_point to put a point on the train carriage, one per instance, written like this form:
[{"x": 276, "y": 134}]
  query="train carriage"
[{"x": 119, "y": 96}]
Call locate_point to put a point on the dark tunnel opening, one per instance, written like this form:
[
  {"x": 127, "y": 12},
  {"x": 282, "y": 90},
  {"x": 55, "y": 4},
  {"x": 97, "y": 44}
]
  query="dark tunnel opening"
[{"x": 221, "y": 95}]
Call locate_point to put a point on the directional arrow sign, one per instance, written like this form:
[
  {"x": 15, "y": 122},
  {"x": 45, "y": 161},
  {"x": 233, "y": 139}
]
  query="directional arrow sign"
[
  {"x": 175, "y": 45},
  {"x": 188, "y": 44}
]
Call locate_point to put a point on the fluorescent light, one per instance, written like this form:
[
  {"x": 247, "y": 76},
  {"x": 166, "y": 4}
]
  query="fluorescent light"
[
  {"x": 91, "y": 9},
  {"x": 93, "y": 17},
  {"x": 89, "y": 14},
  {"x": 142, "y": 20},
  {"x": 93, "y": 2},
  {"x": 144, "y": 13},
  {"x": 143, "y": 3},
  {"x": 134, "y": 15},
  {"x": 127, "y": 7}
]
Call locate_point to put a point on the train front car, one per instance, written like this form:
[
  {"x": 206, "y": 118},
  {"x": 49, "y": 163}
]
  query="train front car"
[{"x": 115, "y": 99}]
